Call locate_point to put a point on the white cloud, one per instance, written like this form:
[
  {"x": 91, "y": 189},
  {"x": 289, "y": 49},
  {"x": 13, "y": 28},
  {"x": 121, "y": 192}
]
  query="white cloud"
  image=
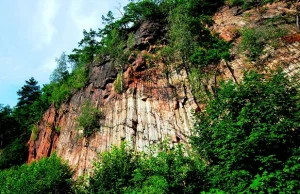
[
  {"x": 44, "y": 27},
  {"x": 48, "y": 66},
  {"x": 84, "y": 17},
  {"x": 38, "y": 32}
]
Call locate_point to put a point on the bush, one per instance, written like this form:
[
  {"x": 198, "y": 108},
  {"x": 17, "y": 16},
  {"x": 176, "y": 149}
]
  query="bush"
[
  {"x": 119, "y": 83},
  {"x": 160, "y": 170},
  {"x": 49, "y": 175},
  {"x": 89, "y": 119},
  {"x": 249, "y": 135},
  {"x": 168, "y": 170},
  {"x": 13, "y": 154},
  {"x": 113, "y": 171},
  {"x": 254, "y": 40}
]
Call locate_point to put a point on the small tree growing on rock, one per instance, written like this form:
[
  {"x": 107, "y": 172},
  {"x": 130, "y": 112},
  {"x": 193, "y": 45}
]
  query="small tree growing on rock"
[{"x": 89, "y": 119}]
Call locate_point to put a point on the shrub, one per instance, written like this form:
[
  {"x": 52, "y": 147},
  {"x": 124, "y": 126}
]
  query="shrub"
[
  {"x": 254, "y": 40},
  {"x": 49, "y": 175},
  {"x": 60, "y": 91},
  {"x": 160, "y": 170},
  {"x": 119, "y": 83},
  {"x": 168, "y": 170},
  {"x": 13, "y": 154},
  {"x": 34, "y": 132},
  {"x": 249, "y": 135},
  {"x": 89, "y": 119},
  {"x": 113, "y": 171}
]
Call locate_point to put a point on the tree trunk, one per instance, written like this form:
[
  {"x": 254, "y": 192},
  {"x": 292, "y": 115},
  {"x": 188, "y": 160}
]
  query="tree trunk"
[{"x": 232, "y": 72}]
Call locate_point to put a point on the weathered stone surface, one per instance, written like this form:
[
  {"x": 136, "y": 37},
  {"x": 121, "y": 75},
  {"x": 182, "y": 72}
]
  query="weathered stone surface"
[
  {"x": 148, "y": 32},
  {"x": 151, "y": 109},
  {"x": 46, "y": 137},
  {"x": 102, "y": 74},
  {"x": 285, "y": 55}
]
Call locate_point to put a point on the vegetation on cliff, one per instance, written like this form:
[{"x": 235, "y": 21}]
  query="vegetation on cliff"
[
  {"x": 246, "y": 140},
  {"x": 88, "y": 119}
]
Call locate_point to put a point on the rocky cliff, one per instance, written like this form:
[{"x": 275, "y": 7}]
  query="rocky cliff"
[{"x": 154, "y": 105}]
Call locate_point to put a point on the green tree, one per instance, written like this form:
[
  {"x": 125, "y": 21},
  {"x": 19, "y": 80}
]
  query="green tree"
[
  {"x": 9, "y": 127},
  {"x": 49, "y": 175},
  {"x": 168, "y": 170},
  {"x": 249, "y": 135},
  {"x": 61, "y": 72},
  {"x": 28, "y": 94},
  {"x": 13, "y": 150},
  {"x": 113, "y": 171},
  {"x": 14, "y": 153}
]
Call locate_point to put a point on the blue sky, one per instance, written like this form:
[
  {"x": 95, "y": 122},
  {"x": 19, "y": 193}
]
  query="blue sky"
[{"x": 35, "y": 32}]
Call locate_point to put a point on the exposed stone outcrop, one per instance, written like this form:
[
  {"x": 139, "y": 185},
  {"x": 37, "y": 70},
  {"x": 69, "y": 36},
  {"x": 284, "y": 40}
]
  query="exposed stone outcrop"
[
  {"x": 228, "y": 23},
  {"x": 153, "y": 106},
  {"x": 147, "y": 34},
  {"x": 46, "y": 135}
]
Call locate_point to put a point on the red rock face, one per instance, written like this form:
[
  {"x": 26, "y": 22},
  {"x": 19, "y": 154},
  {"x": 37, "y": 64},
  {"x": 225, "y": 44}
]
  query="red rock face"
[
  {"x": 46, "y": 137},
  {"x": 152, "y": 107}
]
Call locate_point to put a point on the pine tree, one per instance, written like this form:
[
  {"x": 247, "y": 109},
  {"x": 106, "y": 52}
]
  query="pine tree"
[{"x": 29, "y": 94}]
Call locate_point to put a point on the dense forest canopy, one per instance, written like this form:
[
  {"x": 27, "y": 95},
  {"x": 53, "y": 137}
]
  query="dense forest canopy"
[{"x": 247, "y": 140}]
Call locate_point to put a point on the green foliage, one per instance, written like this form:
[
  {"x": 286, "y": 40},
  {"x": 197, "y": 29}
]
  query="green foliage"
[
  {"x": 28, "y": 93},
  {"x": 9, "y": 126},
  {"x": 49, "y": 175},
  {"x": 138, "y": 11},
  {"x": 113, "y": 171},
  {"x": 58, "y": 92},
  {"x": 131, "y": 41},
  {"x": 254, "y": 40},
  {"x": 187, "y": 21},
  {"x": 199, "y": 90},
  {"x": 181, "y": 35},
  {"x": 119, "y": 83},
  {"x": 161, "y": 170},
  {"x": 165, "y": 170},
  {"x": 28, "y": 107},
  {"x": 60, "y": 73},
  {"x": 113, "y": 45},
  {"x": 13, "y": 154},
  {"x": 218, "y": 50},
  {"x": 34, "y": 132},
  {"x": 249, "y": 135},
  {"x": 88, "y": 48},
  {"x": 57, "y": 129},
  {"x": 89, "y": 119}
]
